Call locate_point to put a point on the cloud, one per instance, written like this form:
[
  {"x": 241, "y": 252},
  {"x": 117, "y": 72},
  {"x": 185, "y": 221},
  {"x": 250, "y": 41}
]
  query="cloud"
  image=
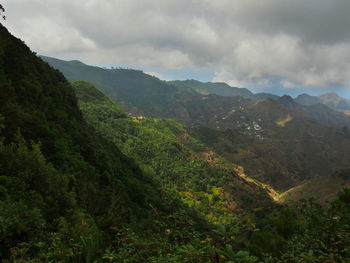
[{"x": 245, "y": 43}]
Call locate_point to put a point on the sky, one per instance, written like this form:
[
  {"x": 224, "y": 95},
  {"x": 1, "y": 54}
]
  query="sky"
[{"x": 278, "y": 46}]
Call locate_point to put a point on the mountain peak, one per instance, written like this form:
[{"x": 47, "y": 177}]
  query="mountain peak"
[
  {"x": 77, "y": 62},
  {"x": 307, "y": 100},
  {"x": 286, "y": 100},
  {"x": 330, "y": 95}
]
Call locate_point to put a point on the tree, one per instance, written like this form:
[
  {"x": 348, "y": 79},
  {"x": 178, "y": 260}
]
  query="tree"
[{"x": 2, "y": 10}]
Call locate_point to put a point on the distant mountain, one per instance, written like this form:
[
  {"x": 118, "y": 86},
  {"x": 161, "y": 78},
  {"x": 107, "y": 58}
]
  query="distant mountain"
[
  {"x": 307, "y": 100},
  {"x": 141, "y": 94},
  {"x": 218, "y": 88},
  {"x": 222, "y": 89},
  {"x": 332, "y": 100},
  {"x": 136, "y": 92},
  {"x": 309, "y": 105},
  {"x": 327, "y": 115},
  {"x": 323, "y": 189},
  {"x": 318, "y": 111},
  {"x": 276, "y": 144}
]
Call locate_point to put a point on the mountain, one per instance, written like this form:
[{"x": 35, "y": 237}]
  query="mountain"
[
  {"x": 323, "y": 189},
  {"x": 136, "y": 92},
  {"x": 307, "y": 104},
  {"x": 278, "y": 142},
  {"x": 67, "y": 193},
  {"x": 318, "y": 111},
  {"x": 222, "y": 89},
  {"x": 305, "y": 99},
  {"x": 164, "y": 149},
  {"x": 332, "y": 100},
  {"x": 141, "y": 94},
  {"x": 218, "y": 88},
  {"x": 275, "y": 144}
]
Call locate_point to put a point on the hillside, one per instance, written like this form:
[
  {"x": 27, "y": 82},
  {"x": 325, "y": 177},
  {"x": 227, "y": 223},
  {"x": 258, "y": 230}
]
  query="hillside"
[
  {"x": 278, "y": 142},
  {"x": 221, "y": 89},
  {"x": 136, "y": 92},
  {"x": 277, "y": 145},
  {"x": 218, "y": 88},
  {"x": 331, "y": 100},
  {"x": 322, "y": 190},
  {"x": 66, "y": 192},
  {"x": 190, "y": 102},
  {"x": 163, "y": 148},
  {"x": 318, "y": 112},
  {"x": 323, "y": 108}
]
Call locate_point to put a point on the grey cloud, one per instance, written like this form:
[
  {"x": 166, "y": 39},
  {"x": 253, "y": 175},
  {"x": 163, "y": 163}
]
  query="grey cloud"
[{"x": 300, "y": 42}]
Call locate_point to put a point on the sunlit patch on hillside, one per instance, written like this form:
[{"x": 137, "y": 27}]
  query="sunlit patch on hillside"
[{"x": 283, "y": 122}]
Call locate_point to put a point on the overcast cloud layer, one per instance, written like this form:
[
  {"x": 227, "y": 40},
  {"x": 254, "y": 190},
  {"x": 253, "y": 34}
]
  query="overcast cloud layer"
[{"x": 299, "y": 43}]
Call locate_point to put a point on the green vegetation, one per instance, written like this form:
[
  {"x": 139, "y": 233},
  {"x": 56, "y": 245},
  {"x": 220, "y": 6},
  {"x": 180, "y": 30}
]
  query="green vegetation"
[
  {"x": 164, "y": 149},
  {"x": 133, "y": 90},
  {"x": 310, "y": 145},
  {"x": 65, "y": 191},
  {"x": 70, "y": 191}
]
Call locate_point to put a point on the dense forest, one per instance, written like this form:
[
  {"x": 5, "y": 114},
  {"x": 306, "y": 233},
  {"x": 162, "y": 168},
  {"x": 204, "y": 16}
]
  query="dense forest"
[{"x": 82, "y": 181}]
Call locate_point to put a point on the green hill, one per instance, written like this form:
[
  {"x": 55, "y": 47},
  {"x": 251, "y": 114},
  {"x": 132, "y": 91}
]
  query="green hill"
[
  {"x": 66, "y": 193},
  {"x": 222, "y": 89},
  {"x": 163, "y": 148},
  {"x": 135, "y": 91}
]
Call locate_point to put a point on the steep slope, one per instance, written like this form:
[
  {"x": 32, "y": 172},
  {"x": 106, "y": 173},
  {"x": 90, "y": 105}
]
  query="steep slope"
[
  {"x": 318, "y": 112},
  {"x": 65, "y": 192},
  {"x": 164, "y": 148},
  {"x": 135, "y": 91}
]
